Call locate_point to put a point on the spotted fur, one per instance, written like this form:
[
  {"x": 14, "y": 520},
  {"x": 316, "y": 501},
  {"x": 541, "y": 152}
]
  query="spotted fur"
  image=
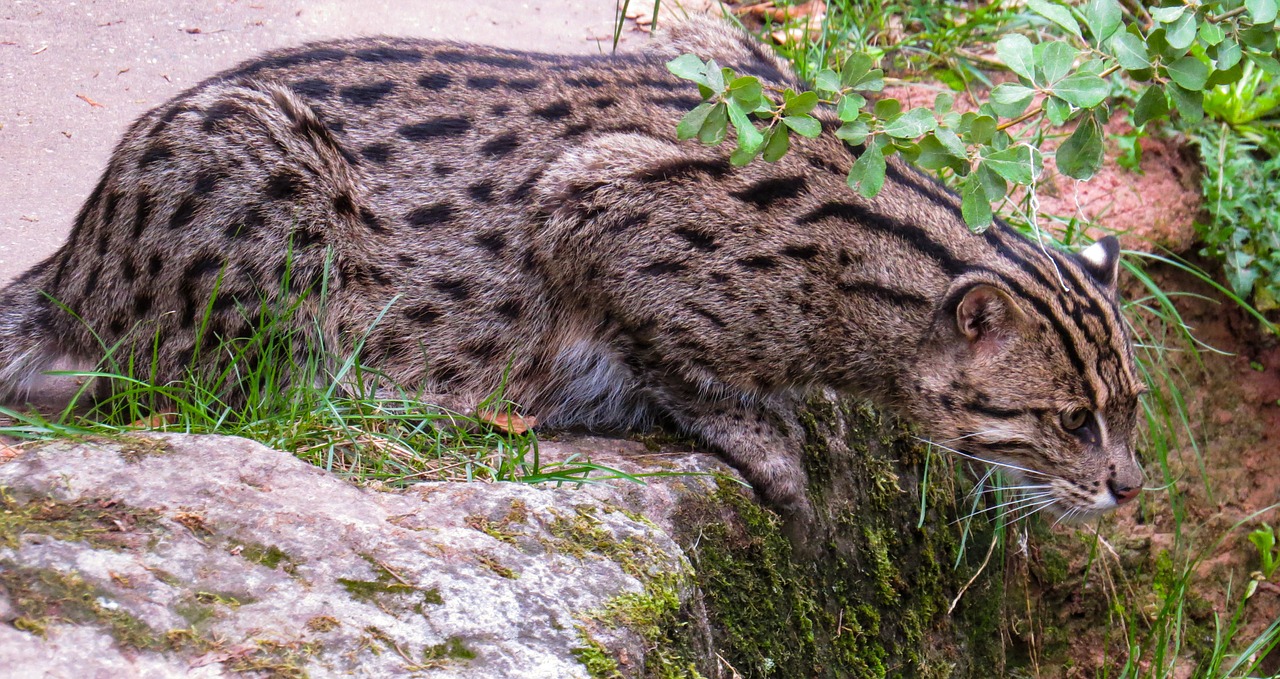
[{"x": 499, "y": 209}]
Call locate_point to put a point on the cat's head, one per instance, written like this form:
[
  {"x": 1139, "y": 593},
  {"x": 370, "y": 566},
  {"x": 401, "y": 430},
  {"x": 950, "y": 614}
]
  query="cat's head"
[{"x": 1040, "y": 380}]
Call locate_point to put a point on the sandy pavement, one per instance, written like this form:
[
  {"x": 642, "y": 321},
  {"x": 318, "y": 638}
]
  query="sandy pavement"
[{"x": 74, "y": 74}]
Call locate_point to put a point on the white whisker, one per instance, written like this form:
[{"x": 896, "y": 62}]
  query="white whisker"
[
  {"x": 1043, "y": 506},
  {"x": 965, "y": 436},
  {"x": 1032, "y": 502},
  {"x": 1067, "y": 515},
  {"x": 982, "y": 459},
  {"x": 1021, "y": 501}
]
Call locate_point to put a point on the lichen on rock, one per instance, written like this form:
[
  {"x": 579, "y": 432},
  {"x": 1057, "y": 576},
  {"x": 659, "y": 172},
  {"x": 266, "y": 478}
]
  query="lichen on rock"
[{"x": 223, "y": 556}]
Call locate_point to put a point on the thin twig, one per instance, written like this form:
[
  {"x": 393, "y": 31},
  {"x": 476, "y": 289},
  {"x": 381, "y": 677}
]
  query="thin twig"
[
  {"x": 981, "y": 568},
  {"x": 1040, "y": 107}
]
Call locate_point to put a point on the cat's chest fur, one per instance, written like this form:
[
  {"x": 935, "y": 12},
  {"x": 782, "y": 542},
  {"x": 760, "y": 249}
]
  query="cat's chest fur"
[{"x": 470, "y": 217}]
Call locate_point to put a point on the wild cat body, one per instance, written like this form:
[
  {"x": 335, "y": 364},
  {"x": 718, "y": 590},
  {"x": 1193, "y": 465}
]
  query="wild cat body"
[{"x": 499, "y": 209}]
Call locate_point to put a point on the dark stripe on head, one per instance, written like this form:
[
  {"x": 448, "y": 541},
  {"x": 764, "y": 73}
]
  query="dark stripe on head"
[
  {"x": 884, "y": 292},
  {"x": 916, "y": 237}
]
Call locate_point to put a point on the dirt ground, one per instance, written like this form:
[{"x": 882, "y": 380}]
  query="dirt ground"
[{"x": 73, "y": 75}]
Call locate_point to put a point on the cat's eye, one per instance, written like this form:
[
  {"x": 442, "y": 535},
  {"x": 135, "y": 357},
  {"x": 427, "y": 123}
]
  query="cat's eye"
[{"x": 1073, "y": 420}]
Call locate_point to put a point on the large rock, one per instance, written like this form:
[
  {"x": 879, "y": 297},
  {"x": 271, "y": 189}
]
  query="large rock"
[
  {"x": 203, "y": 556},
  {"x": 165, "y": 555}
]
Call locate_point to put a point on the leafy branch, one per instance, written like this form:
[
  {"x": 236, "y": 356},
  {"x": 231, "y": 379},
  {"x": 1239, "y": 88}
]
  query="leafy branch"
[{"x": 1164, "y": 62}]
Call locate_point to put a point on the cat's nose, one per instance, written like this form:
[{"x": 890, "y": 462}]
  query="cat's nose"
[{"x": 1122, "y": 492}]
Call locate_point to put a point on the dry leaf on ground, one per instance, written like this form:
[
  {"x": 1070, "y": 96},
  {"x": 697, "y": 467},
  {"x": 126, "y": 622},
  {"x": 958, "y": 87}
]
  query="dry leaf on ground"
[{"x": 507, "y": 422}]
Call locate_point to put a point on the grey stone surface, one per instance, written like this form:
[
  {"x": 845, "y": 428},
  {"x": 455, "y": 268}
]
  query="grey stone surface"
[
  {"x": 173, "y": 556},
  {"x": 127, "y": 56}
]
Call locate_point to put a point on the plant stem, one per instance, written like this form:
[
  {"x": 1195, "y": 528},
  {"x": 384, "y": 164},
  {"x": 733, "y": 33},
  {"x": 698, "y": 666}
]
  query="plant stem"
[
  {"x": 1227, "y": 15},
  {"x": 1040, "y": 107}
]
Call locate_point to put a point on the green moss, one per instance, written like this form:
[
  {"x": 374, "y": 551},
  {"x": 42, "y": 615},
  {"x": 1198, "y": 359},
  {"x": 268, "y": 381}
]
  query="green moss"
[
  {"x": 269, "y": 556},
  {"x": 42, "y": 596},
  {"x": 134, "y": 448},
  {"x": 488, "y": 561},
  {"x": 595, "y": 657},
  {"x": 97, "y": 522},
  {"x": 195, "y": 612},
  {"x": 388, "y": 588},
  {"x": 656, "y": 614},
  {"x": 583, "y": 534},
  {"x": 870, "y": 595},
  {"x": 501, "y": 529},
  {"x": 452, "y": 649}
]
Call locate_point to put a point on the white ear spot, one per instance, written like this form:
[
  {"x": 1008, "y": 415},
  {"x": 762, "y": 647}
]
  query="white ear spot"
[{"x": 1095, "y": 255}]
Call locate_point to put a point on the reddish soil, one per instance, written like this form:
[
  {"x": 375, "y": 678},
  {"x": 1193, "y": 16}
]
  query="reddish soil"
[{"x": 1155, "y": 207}]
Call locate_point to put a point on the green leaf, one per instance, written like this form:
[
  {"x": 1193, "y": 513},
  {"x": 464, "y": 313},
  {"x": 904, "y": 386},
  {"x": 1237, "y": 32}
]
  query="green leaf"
[
  {"x": 1261, "y": 38},
  {"x": 855, "y": 67},
  {"x": 747, "y": 92},
  {"x": 688, "y": 67},
  {"x": 1211, "y": 33},
  {"x": 748, "y": 136},
  {"x": 775, "y": 147},
  {"x": 887, "y": 108},
  {"x": 974, "y": 206},
  {"x": 715, "y": 76},
  {"x": 867, "y": 173},
  {"x": 1190, "y": 104},
  {"x": 1009, "y": 100},
  {"x": 1225, "y": 77},
  {"x": 800, "y": 104},
  {"x": 982, "y": 129},
  {"x": 911, "y": 124},
  {"x": 1057, "y": 111},
  {"x": 1181, "y": 33},
  {"x": 943, "y": 102},
  {"x": 742, "y": 156},
  {"x": 1057, "y": 14},
  {"x": 873, "y": 81},
  {"x": 1153, "y": 104},
  {"x": 854, "y": 132},
  {"x": 951, "y": 142},
  {"x": 1014, "y": 50},
  {"x": 1080, "y": 155},
  {"x": 1130, "y": 51},
  {"x": 1168, "y": 15},
  {"x": 1189, "y": 72},
  {"x": 992, "y": 184},
  {"x": 807, "y": 126},
  {"x": 1055, "y": 60},
  {"x": 693, "y": 121},
  {"x": 1016, "y": 164},
  {"x": 850, "y": 106},
  {"x": 1267, "y": 63},
  {"x": 1261, "y": 11},
  {"x": 1085, "y": 91},
  {"x": 715, "y": 128},
  {"x": 934, "y": 155},
  {"x": 827, "y": 80},
  {"x": 1228, "y": 54},
  {"x": 1103, "y": 17}
]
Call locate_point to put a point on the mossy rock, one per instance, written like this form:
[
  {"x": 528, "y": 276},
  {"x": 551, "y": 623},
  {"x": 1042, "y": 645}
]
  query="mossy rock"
[{"x": 871, "y": 596}]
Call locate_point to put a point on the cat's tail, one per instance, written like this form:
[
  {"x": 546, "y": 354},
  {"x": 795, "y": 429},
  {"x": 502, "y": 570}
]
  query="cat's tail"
[{"x": 30, "y": 343}]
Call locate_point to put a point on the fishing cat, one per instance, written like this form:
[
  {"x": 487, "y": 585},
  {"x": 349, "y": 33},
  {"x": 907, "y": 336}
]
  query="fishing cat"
[{"x": 469, "y": 212}]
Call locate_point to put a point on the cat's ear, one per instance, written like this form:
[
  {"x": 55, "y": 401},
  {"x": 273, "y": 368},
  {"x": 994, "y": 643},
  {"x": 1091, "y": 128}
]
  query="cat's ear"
[
  {"x": 1102, "y": 261},
  {"x": 986, "y": 313}
]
